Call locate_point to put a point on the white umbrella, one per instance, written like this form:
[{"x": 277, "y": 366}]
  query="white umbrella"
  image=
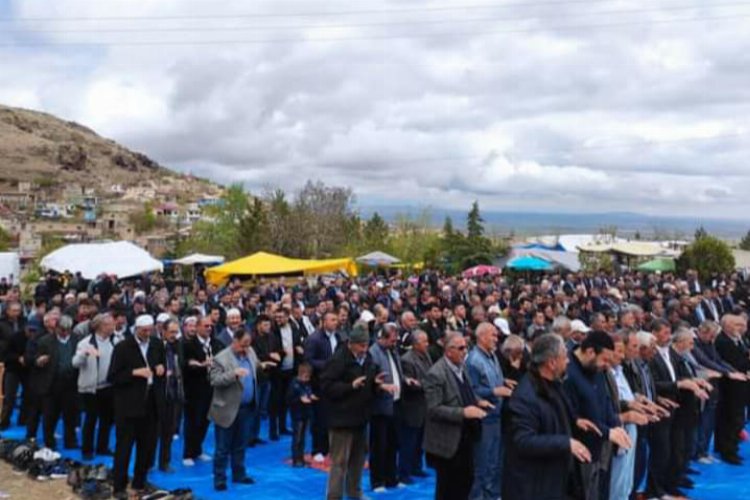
[
  {"x": 377, "y": 259},
  {"x": 199, "y": 258}
]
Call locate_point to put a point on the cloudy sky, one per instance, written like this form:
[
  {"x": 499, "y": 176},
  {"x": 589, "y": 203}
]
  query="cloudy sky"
[{"x": 564, "y": 105}]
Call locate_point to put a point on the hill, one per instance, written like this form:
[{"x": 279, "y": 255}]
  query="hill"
[{"x": 45, "y": 150}]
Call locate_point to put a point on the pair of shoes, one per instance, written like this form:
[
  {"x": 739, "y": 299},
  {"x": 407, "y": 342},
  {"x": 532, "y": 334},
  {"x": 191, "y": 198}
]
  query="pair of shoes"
[
  {"x": 379, "y": 489},
  {"x": 692, "y": 471},
  {"x": 244, "y": 480},
  {"x": 319, "y": 458},
  {"x": 732, "y": 459},
  {"x": 259, "y": 441},
  {"x": 205, "y": 458},
  {"x": 220, "y": 486},
  {"x": 188, "y": 462},
  {"x": 686, "y": 483}
]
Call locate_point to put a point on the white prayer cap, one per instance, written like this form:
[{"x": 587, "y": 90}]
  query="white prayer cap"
[
  {"x": 163, "y": 317},
  {"x": 144, "y": 320}
]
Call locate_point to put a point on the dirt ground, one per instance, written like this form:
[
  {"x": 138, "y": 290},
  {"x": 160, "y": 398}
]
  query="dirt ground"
[{"x": 23, "y": 487}]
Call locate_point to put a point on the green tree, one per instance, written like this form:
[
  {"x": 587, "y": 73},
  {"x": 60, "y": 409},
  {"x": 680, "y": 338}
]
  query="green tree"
[
  {"x": 252, "y": 229},
  {"x": 745, "y": 242},
  {"x": 376, "y": 233},
  {"x": 700, "y": 233},
  {"x": 708, "y": 255},
  {"x": 474, "y": 222},
  {"x": 475, "y": 248},
  {"x": 6, "y": 240},
  {"x": 144, "y": 220}
]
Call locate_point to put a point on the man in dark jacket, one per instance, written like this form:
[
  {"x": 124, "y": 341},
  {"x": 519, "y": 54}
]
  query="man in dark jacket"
[
  {"x": 54, "y": 380},
  {"x": 12, "y": 347},
  {"x": 137, "y": 376},
  {"x": 349, "y": 383},
  {"x": 540, "y": 448},
  {"x": 319, "y": 348},
  {"x": 199, "y": 352},
  {"x": 730, "y": 411},
  {"x": 415, "y": 364}
]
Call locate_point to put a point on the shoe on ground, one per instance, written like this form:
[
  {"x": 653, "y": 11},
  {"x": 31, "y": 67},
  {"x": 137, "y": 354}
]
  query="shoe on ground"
[
  {"x": 188, "y": 462},
  {"x": 319, "y": 458},
  {"x": 705, "y": 460},
  {"x": 732, "y": 459},
  {"x": 379, "y": 489},
  {"x": 205, "y": 458},
  {"x": 244, "y": 480}
]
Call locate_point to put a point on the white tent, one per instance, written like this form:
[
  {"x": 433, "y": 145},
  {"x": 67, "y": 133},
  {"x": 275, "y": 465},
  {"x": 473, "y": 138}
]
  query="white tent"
[
  {"x": 10, "y": 265},
  {"x": 121, "y": 258},
  {"x": 377, "y": 259},
  {"x": 199, "y": 258}
]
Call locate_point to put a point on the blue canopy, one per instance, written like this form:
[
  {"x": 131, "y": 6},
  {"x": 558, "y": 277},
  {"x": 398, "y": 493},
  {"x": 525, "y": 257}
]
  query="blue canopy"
[
  {"x": 529, "y": 263},
  {"x": 539, "y": 246}
]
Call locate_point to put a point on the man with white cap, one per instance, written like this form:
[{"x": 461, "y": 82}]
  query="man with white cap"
[
  {"x": 136, "y": 374},
  {"x": 578, "y": 332}
]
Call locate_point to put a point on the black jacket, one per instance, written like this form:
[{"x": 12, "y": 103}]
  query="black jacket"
[
  {"x": 14, "y": 346},
  {"x": 42, "y": 377},
  {"x": 195, "y": 378},
  {"x": 131, "y": 393},
  {"x": 538, "y": 462},
  {"x": 348, "y": 407},
  {"x": 413, "y": 404},
  {"x": 264, "y": 346},
  {"x": 8, "y": 331}
]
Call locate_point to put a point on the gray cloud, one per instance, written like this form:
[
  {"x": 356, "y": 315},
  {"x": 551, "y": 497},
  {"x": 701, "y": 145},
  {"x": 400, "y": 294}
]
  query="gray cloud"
[{"x": 587, "y": 107}]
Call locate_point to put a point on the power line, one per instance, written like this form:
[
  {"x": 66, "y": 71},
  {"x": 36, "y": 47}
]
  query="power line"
[
  {"x": 374, "y": 24},
  {"x": 372, "y": 37},
  {"x": 419, "y": 10}
]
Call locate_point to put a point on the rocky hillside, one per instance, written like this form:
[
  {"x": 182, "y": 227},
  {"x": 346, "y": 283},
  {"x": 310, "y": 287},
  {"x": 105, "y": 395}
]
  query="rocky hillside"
[{"x": 44, "y": 149}]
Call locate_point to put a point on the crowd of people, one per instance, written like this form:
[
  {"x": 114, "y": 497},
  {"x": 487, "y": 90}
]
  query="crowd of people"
[{"x": 574, "y": 386}]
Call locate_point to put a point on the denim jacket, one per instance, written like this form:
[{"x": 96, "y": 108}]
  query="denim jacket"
[{"x": 485, "y": 376}]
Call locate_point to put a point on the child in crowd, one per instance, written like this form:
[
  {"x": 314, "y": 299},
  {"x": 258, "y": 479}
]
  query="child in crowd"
[{"x": 300, "y": 399}]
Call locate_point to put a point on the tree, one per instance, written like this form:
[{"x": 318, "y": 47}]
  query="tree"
[
  {"x": 252, "y": 230},
  {"x": 700, "y": 233},
  {"x": 708, "y": 255},
  {"x": 475, "y": 248},
  {"x": 745, "y": 242},
  {"x": 474, "y": 222},
  {"x": 324, "y": 213},
  {"x": 376, "y": 233},
  {"x": 5, "y": 240},
  {"x": 144, "y": 220}
]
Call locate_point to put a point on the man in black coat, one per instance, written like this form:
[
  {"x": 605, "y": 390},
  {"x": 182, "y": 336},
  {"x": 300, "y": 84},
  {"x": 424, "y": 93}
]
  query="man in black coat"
[
  {"x": 137, "y": 375},
  {"x": 415, "y": 365},
  {"x": 54, "y": 379},
  {"x": 348, "y": 383},
  {"x": 730, "y": 416},
  {"x": 198, "y": 354},
  {"x": 12, "y": 347},
  {"x": 288, "y": 337},
  {"x": 540, "y": 449},
  {"x": 319, "y": 348}
]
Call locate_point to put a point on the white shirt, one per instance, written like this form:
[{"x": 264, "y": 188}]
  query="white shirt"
[
  {"x": 287, "y": 342},
  {"x": 664, "y": 353},
  {"x": 623, "y": 387},
  {"x": 333, "y": 340}
]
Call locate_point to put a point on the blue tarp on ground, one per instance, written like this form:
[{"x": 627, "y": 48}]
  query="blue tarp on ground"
[
  {"x": 279, "y": 481},
  {"x": 266, "y": 464}
]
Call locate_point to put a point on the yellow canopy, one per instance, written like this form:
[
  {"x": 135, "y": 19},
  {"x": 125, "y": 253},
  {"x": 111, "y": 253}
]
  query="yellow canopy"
[{"x": 268, "y": 264}]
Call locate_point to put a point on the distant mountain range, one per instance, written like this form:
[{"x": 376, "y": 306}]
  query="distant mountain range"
[{"x": 538, "y": 223}]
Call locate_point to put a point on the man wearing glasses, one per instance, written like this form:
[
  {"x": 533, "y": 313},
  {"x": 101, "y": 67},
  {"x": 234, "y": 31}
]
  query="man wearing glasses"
[{"x": 453, "y": 421}]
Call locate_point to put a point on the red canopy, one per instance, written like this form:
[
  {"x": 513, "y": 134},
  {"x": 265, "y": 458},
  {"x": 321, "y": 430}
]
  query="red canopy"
[{"x": 481, "y": 270}]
